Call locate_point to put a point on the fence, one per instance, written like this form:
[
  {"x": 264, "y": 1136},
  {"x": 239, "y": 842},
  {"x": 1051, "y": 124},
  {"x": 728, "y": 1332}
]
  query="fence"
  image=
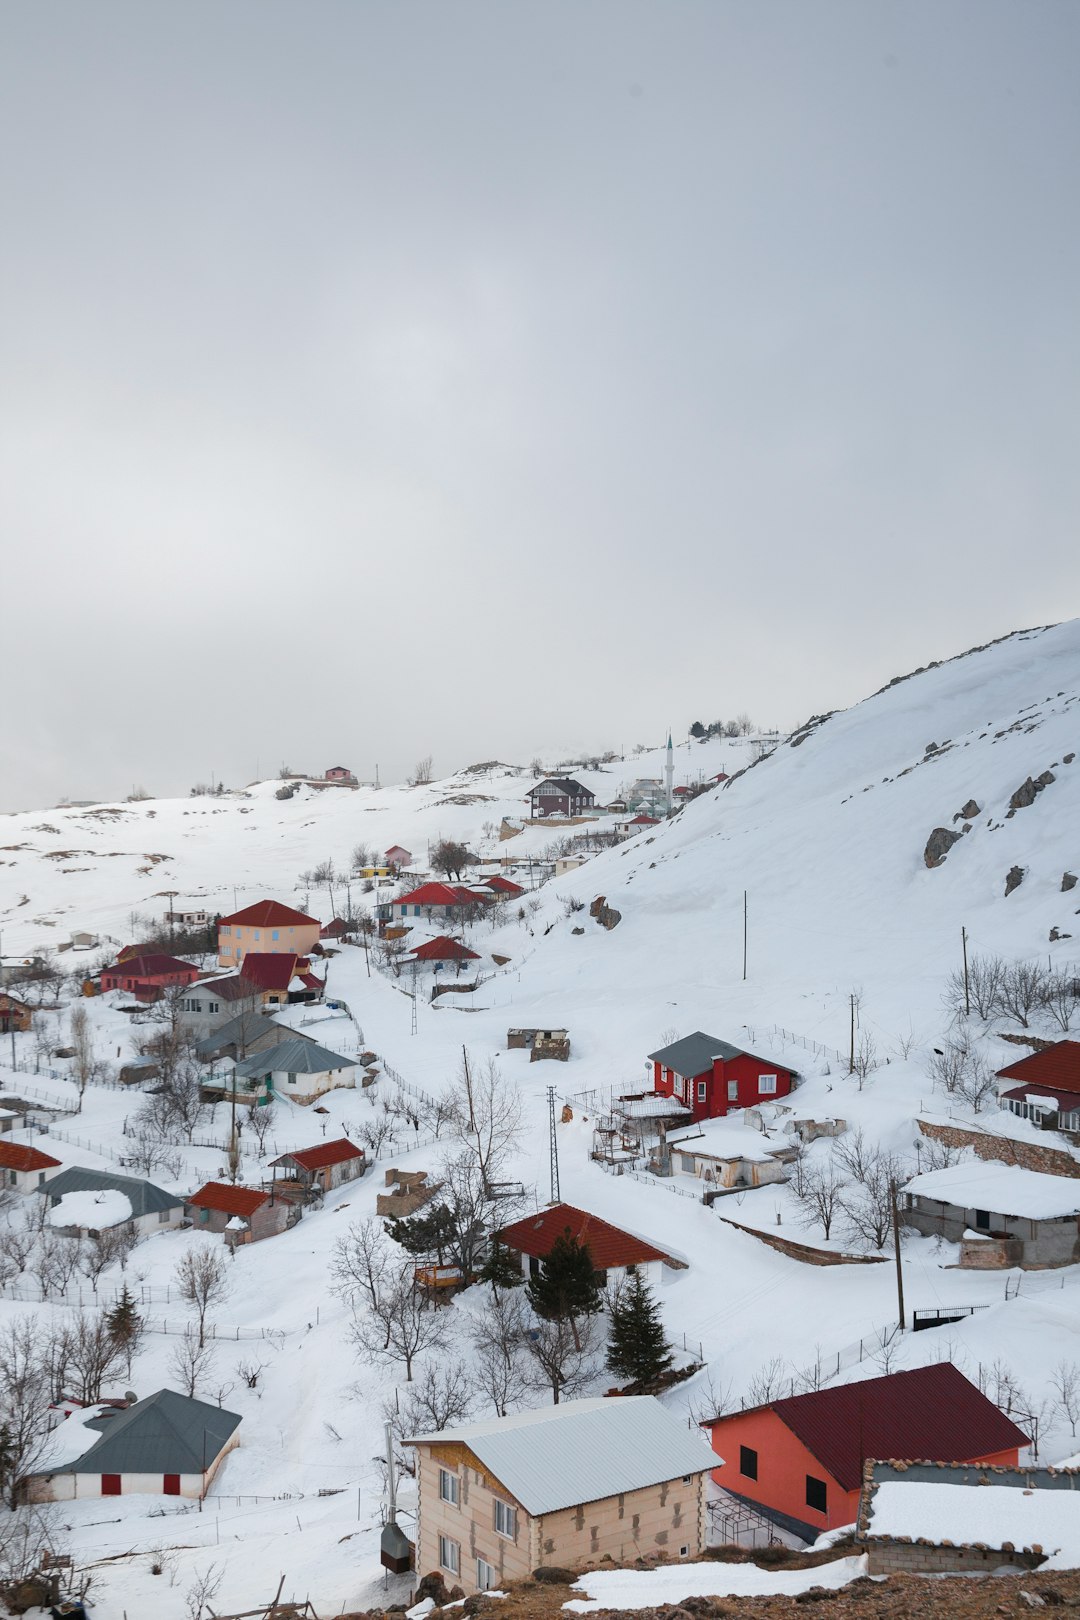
[
  {"x": 65, "y": 1104},
  {"x": 75, "y": 1140},
  {"x": 790, "y": 1038}
]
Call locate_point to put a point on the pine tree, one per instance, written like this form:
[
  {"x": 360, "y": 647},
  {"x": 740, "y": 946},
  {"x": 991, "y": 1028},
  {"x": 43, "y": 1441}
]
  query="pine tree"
[
  {"x": 566, "y": 1287},
  {"x": 501, "y": 1269},
  {"x": 637, "y": 1349},
  {"x": 125, "y": 1326}
]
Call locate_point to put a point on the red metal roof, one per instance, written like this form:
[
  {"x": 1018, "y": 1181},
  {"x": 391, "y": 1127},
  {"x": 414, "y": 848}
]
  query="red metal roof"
[
  {"x": 505, "y": 885},
  {"x": 608, "y": 1245},
  {"x": 645, "y": 821},
  {"x": 439, "y": 894},
  {"x": 1058, "y": 1066},
  {"x": 269, "y": 914},
  {"x": 317, "y": 1158},
  {"x": 1066, "y": 1102},
  {"x": 333, "y": 929},
  {"x": 243, "y": 1201},
  {"x": 269, "y": 970},
  {"x": 444, "y": 949},
  {"x": 154, "y": 965},
  {"x": 929, "y": 1414},
  {"x": 17, "y": 1156}
]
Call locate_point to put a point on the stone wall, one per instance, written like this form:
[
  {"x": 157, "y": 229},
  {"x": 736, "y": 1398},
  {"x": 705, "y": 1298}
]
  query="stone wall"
[
  {"x": 804, "y": 1251},
  {"x": 1049, "y": 1161},
  {"x": 916, "y": 1558}
]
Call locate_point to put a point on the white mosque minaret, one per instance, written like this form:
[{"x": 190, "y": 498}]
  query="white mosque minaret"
[{"x": 669, "y": 773}]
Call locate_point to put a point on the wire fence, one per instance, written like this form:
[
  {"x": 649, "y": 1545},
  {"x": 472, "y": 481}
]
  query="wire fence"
[{"x": 777, "y": 1032}]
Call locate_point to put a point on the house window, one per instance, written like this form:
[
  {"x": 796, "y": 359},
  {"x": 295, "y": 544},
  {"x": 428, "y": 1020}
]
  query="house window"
[
  {"x": 733, "y": 1091},
  {"x": 816, "y": 1494},
  {"x": 292, "y": 1079},
  {"x": 163, "y": 1215},
  {"x": 258, "y": 934},
  {"x": 225, "y": 930},
  {"x": 449, "y": 1555},
  {"x": 274, "y": 935},
  {"x": 213, "y": 1006},
  {"x": 505, "y": 1520},
  {"x": 766, "y": 1085},
  {"x": 449, "y": 1486},
  {"x": 748, "y": 1462},
  {"x": 486, "y": 1577},
  {"x": 702, "y": 1090},
  {"x": 982, "y": 1219}
]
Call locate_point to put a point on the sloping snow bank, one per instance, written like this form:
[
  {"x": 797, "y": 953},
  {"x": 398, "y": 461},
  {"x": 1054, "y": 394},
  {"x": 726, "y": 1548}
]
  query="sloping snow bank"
[{"x": 644, "y": 1588}]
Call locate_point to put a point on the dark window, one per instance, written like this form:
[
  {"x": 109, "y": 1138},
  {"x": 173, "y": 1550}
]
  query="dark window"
[
  {"x": 171, "y": 1485},
  {"x": 816, "y": 1495},
  {"x": 982, "y": 1219},
  {"x": 748, "y": 1462}
]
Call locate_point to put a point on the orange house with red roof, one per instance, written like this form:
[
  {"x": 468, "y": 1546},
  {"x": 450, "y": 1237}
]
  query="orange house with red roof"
[
  {"x": 266, "y": 927},
  {"x": 799, "y": 1461}
]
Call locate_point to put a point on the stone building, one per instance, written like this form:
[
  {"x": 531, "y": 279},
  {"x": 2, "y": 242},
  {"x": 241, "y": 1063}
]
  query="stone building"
[{"x": 1001, "y": 1215}]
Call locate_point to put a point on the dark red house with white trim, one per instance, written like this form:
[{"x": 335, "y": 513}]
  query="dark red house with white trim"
[
  {"x": 145, "y": 977},
  {"x": 714, "y": 1078}
]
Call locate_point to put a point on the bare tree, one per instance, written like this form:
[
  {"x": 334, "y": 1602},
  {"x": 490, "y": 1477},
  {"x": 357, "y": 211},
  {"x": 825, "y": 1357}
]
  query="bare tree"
[
  {"x": 191, "y": 1361},
  {"x": 769, "y": 1382},
  {"x": 978, "y": 1083},
  {"x": 1021, "y": 990},
  {"x": 359, "y": 1262},
  {"x": 981, "y": 987},
  {"x": 25, "y": 1392},
  {"x": 400, "y": 1326},
  {"x": 202, "y": 1278},
  {"x": 421, "y": 772},
  {"x": 250, "y": 1371},
  {"x": 93, "y": 1354},
  {"x": 883, "y": 1350},
  {"x": 563, "y": 1356},
  {"x": 439, "y": 1398},
  {"x": 866, "y": 1057},
  {"x": 261, "y": 1122},
  {"x": 202, "y": 1592},
  {"x": 1065, "y": 1383},
  {"x": 105, "y": 1248},
  {"x": 54, "y": 1262},
  {"x": 1060, "y": 999},
  {"x": 26, "y": 1532},
  {"x": 148, "y": 1151},
  {"x": 80, "y": 1038},
  {"x": 487, "y": 1114},
  {"x": 821, "y": 1199},
  {"x": 449, "y": 857},
  {"x": 498, "y": 1339}
]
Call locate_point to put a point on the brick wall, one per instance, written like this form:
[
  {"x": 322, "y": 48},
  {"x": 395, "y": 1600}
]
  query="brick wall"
[{"x": 913, "y": 1558}]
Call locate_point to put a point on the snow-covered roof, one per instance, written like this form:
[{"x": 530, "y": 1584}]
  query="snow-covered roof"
[
  {"x": 1001, "y": 1189},
  {"x": 653, "y": 1106},
  {"x": 728, "y": 1139},
  {"x": 93, "y": 1210},
  {"x": 978, "y": 1515},
  {"x": 581, "y": 1451}
]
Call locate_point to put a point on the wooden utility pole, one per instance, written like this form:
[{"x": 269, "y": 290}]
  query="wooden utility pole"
[
  {"x": 744, "y": 933},
  {"x": 851, "y": 1061},
  {"x": 896, "y": 1247},
  {"x": 967, "y": 987}
]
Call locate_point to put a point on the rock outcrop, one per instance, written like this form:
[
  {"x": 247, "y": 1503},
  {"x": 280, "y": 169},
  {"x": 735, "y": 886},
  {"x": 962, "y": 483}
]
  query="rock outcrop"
[{"x": 938, "y": 845}]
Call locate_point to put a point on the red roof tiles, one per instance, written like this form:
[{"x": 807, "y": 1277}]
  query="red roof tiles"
[
  {"x": 268, "y": 914},
  {"x": 268, "y": 970},
  {"x": 439, "y": 894},
  {"x": 444, "y": 949},
  {"x": 317, "y": 1158},
  {"x": 17, "y": 1156},
  {"x": 1057, "y": 1066},
  {"x": 228, "y": 1200},
  {"x": 607, "y": 1245},
  {"x": 504, "y": 885},
  {"x": 929, "y": 1414},
  {"x": 154, "y": 965}
]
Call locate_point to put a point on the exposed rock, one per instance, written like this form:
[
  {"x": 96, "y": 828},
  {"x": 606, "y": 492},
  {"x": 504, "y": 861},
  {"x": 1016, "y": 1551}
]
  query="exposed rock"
[
  {"x": 432, "y": 1586},
  {"x": 1068, "y": 881},
  {"x": 969, "y": 812},
  {"x": 1013, "y": 879},
  {"x": 554, "y": 1575},
  {"x": 938, "y": 845},
  {"x": 1056, "y": 934},
  {"x": 1067, "y": 759},
  {"x": 577, "y": 930},
  {"x": 605, "y": 915},
  {"x": 1024, "y": 795},
  {"x": 1045, "y": 779}
]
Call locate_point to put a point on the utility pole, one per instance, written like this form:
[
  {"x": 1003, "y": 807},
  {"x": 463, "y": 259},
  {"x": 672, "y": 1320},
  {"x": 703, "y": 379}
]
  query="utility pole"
[
  {"x": 851, "y": 1060},
  {"x": 555, "y": 1195},
  {"x": 967, "y": 987},
  {"x": 896, "y": 1247},
  {"x": 744, "y": 933}
]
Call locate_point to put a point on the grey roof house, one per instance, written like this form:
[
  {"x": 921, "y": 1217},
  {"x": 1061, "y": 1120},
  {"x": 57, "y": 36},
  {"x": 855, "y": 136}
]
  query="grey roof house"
[
  {"x": 298, "y": 1069},
  {"x": 152, "y": 1207},
  {"x": 165, "y": 1445}
]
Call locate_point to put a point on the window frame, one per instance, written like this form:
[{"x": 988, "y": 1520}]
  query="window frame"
[
  {"x": 746, "y": 1453},
  {"x": 449, "y": 1487},
  {"x": 509, "y": 1514},
  {"x": 767, "y": 1084},
  {"x": 484, "y": 1564},
  {"x": 448, "y": 1547},
  {"x": 815, "y": 1507}
]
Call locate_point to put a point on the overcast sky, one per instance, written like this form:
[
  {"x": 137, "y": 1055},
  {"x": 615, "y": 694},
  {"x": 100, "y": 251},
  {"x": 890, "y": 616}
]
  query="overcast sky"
[{"x": 383, "y": 379}]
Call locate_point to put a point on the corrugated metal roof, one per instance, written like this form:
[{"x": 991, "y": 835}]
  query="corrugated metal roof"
[
  {"x": 244, "y": 1029},
  {"x": 17, "y": 1156},
  {"x": 164, "y": 1434},
  {"x": 317, "y": 1158},
  {"x": 607, "y": 1245},
  {"x": 928, "y": 1413},
  {"x": 1057, "y": 1066},
  {"x": 581, "y": 1451},
  {"x": 694, "y": 1054},
  {"x": 294, "y": 1056},
  {"x": 229, "y": 1200},
  {"x": 143, "y": 1196}
]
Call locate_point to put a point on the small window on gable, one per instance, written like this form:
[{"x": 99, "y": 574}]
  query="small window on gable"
[
  {"x": 816, "y": 1494},
  {"x": 748, "y": 1462}
]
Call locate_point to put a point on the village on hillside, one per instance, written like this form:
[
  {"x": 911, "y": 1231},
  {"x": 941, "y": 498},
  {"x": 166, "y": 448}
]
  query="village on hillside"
[{"x": 301, "y": 1255}]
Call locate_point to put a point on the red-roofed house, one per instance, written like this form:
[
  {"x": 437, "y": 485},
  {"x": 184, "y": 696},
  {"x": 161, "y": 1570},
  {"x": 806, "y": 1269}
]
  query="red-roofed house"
[
  {"x": 335, "y": 929},
  {"x": 14, "y": 1014},
  {"x": 272, "y": 977},
  {"x": 442, "y": 900},
  {"x": 1056, "y": 1068},
  {"x": 443, "y": 949},
  {"x": 267, "y": 927},
  {"x": 262, "y": 1215},
  {"x": 504, "y": 887},
  {"x": 326, "y": 1166},
  {"x": 800, "y": 1460},
  {"x": 613, "y": 1252},
  {"x": 397, "y": 855},
  {"x": 146, "y": 976},
  {"x": 25, "y": 1169},
  {"x": 339, "y": 773}
]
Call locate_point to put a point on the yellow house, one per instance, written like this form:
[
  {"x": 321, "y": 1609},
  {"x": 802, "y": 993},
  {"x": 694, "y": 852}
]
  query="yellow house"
[{"x": 268, "y": 928}]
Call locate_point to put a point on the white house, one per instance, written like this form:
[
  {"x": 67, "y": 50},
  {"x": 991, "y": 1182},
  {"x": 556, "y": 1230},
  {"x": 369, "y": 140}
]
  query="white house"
[
  {"x": 298, "y": 1069},
  {"x": 24, "y": 1169},
  {"x": 82, "y": 1202},
  {"x": 165, "y": 1445}
]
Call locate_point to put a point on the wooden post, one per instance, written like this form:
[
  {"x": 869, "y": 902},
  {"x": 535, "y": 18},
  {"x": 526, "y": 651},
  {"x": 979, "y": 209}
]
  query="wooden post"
[
  {"x": 744, "y": 933},
  {"x": 967, "y": 988},
  {"x": 851, "y": 1060},
  {"x": 896, "y": 1247}
]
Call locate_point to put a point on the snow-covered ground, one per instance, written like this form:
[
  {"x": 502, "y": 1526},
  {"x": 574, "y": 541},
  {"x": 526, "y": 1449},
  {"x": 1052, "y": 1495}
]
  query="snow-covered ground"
[{"x": 825, "y": 840}]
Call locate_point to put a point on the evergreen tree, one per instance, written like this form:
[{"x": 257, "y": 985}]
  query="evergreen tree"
[
  {"x": 125, "y": 1326},
  {"x": 501, "y": 1269},
  {"x": 566, "y": 1287},
  {"x": 426, "y": 1235},
  {"x": 637, "y": 1349},
  {"x": 697, "y": 729}
]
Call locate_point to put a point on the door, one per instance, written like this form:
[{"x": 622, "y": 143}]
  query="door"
[
  {"x": 110, "y": 1484},
  {"x": 171, "y": 1485}
]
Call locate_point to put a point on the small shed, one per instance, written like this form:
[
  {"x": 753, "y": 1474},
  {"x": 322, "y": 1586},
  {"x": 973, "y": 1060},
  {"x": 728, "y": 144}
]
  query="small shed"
[
  {"x": 540, "y": 1043},
  {"x": 323, "y": 1167}
]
